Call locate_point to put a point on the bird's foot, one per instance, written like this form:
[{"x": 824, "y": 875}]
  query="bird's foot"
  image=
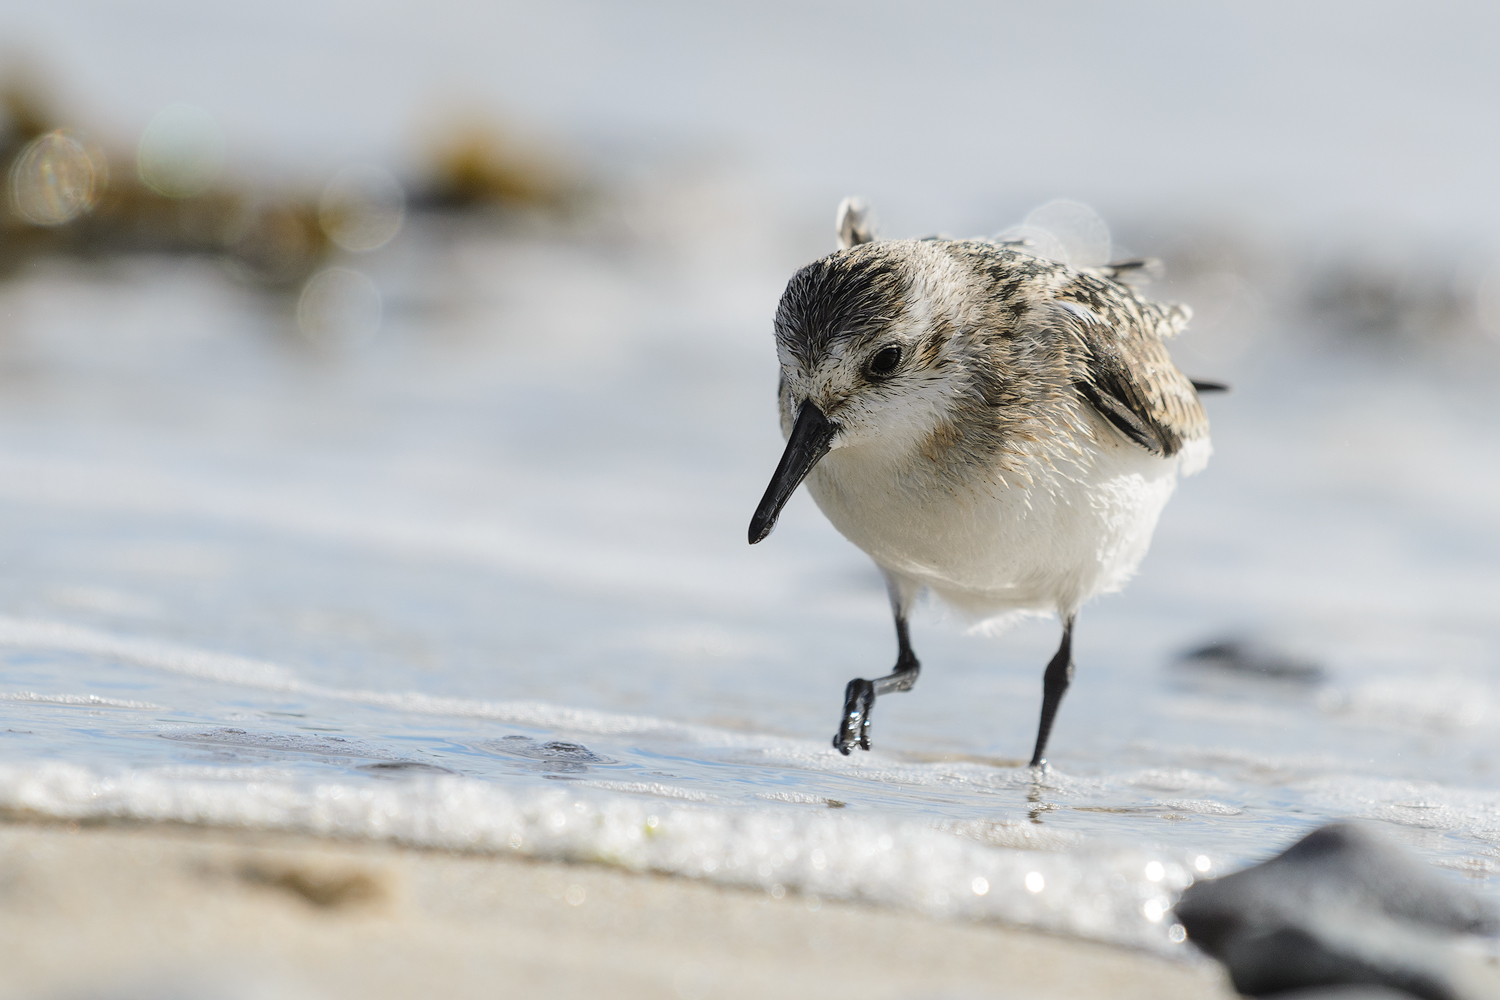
[{"x": 854, "y": 730}]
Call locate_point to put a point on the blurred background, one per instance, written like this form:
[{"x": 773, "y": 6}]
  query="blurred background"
[
  {"x": 1306, "y": 156},
  {"x": 428, "y": 350}
]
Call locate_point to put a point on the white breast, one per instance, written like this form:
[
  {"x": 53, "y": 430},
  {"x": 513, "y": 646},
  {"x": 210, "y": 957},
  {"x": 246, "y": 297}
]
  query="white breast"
[{"x": 1004, "y": 543}]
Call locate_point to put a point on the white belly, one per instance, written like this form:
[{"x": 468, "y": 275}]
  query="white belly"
[{"x": 1002, "y": 544}]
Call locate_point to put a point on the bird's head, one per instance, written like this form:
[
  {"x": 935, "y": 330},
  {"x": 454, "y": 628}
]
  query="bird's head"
[{"x": 871, "y": 351}]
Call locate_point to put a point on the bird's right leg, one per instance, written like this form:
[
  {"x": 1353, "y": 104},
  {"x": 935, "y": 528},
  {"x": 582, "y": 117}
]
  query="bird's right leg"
[{"x": 860, "y": 694}]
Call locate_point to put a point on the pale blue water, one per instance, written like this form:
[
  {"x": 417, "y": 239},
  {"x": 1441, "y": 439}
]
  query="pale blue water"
[{"x": 484, "y": 582}]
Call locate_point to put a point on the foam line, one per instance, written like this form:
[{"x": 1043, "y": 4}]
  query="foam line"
[
  {"x": 223, "y": 667},
  {"x": 79, "y": 700},
  {"x": 248, "y": 672},
  {"x": 1096, "y": 891},
  {"x": 228, "y": 668}
]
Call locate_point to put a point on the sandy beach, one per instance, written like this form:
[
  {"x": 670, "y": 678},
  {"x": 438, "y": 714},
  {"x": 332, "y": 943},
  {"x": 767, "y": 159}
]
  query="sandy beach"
[{"x": 132, "y": 910}]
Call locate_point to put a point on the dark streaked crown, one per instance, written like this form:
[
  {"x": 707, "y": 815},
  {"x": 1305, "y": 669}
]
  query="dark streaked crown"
[{"x": 843, "y": 295}]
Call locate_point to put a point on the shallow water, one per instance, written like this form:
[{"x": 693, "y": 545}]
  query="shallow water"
[{"x": 482, "y": 582}]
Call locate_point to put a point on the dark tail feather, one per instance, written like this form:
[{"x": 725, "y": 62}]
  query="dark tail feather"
[
  {"x": 1133, "y": 271},
  {"x": 1204, "y": 386}
]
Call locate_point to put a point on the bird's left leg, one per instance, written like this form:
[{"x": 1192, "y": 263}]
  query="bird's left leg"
[
  {"x": 860, "y": 694},
  {"x": 1054, "y": 685}
]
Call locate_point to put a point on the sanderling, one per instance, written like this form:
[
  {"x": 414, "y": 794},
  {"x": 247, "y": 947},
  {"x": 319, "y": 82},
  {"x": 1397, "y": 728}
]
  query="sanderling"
[{"x": 999, "y": 428}]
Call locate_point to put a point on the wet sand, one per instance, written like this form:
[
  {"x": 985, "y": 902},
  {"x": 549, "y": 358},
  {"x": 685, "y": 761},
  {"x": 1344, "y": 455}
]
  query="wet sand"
[{"x": 130, "y": 910}]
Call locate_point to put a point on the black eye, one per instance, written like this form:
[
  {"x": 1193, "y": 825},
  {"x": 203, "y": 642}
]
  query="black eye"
[{"x": 885, "y": 361}]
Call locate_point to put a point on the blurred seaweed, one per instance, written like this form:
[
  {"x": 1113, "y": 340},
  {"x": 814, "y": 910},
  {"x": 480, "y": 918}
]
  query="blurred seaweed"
[
  {"x": 68, "y": 196},
  {"x": 474, "y": 163}
]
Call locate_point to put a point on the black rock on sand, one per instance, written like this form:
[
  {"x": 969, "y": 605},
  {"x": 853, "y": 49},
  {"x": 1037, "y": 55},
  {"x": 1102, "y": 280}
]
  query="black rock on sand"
[{"x": 1340, "y": 909}]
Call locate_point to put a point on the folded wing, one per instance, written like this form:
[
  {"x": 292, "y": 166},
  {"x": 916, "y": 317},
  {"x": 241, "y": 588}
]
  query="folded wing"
[{"x": 1124, "y": 370}]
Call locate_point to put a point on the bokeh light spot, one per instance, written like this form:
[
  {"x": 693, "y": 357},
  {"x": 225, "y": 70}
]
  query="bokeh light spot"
[
  {"x": 54, "y": 180},
  {"x": 362, "y": 208},
  {"x": 181, "y": 151},
  {"x": 1035, "y": 882},
  {"x": 1068, "y": 232},
  {"x": 339, "y": 309},
  {"x": 1035, "y": 241}
]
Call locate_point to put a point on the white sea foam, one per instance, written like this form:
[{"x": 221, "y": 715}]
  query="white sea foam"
[
  {"x": 239, "y": 670},
  {"x": 1201, "y": 807},
  {"x": 800, "y": 798},
  {"x": 656, "y": 789},
  {"x": 1474, "y": 812},
  {"x": 79, "y": 700},
  {"x": 1176, "y": 779},
  {"x": 223, "y": 667},
  {"x": 1433, "y": 701},
  {"x": 1093, "y": 890}
]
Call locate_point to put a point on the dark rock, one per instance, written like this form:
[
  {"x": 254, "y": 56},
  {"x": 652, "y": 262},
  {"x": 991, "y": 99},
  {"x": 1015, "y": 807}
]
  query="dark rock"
[
  {"x": 1342, "y": 907},
  {"x": 1343, "y": 993},
  {"x": 1253, "y": 658}
]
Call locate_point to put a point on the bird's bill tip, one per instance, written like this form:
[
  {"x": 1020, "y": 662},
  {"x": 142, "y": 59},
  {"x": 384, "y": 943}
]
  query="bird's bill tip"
[
  {"x": 759, "y": 529},
  {"x": 810, "y": 440}
]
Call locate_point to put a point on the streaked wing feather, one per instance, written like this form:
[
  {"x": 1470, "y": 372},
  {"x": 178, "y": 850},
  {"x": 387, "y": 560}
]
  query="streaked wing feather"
[{"x": 1127, "y": 374}]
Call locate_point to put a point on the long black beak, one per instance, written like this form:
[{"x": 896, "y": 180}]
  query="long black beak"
[{"x": 811, "y": 436}]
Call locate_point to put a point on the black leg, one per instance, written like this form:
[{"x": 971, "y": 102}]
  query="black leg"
[
  {"x": 860, "y": 695},
  {"x": 1054, "y": 684}
]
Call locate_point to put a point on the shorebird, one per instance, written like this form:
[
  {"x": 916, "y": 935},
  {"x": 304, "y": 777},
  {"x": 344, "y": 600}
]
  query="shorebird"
[{"x": 999, "y": 428}]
